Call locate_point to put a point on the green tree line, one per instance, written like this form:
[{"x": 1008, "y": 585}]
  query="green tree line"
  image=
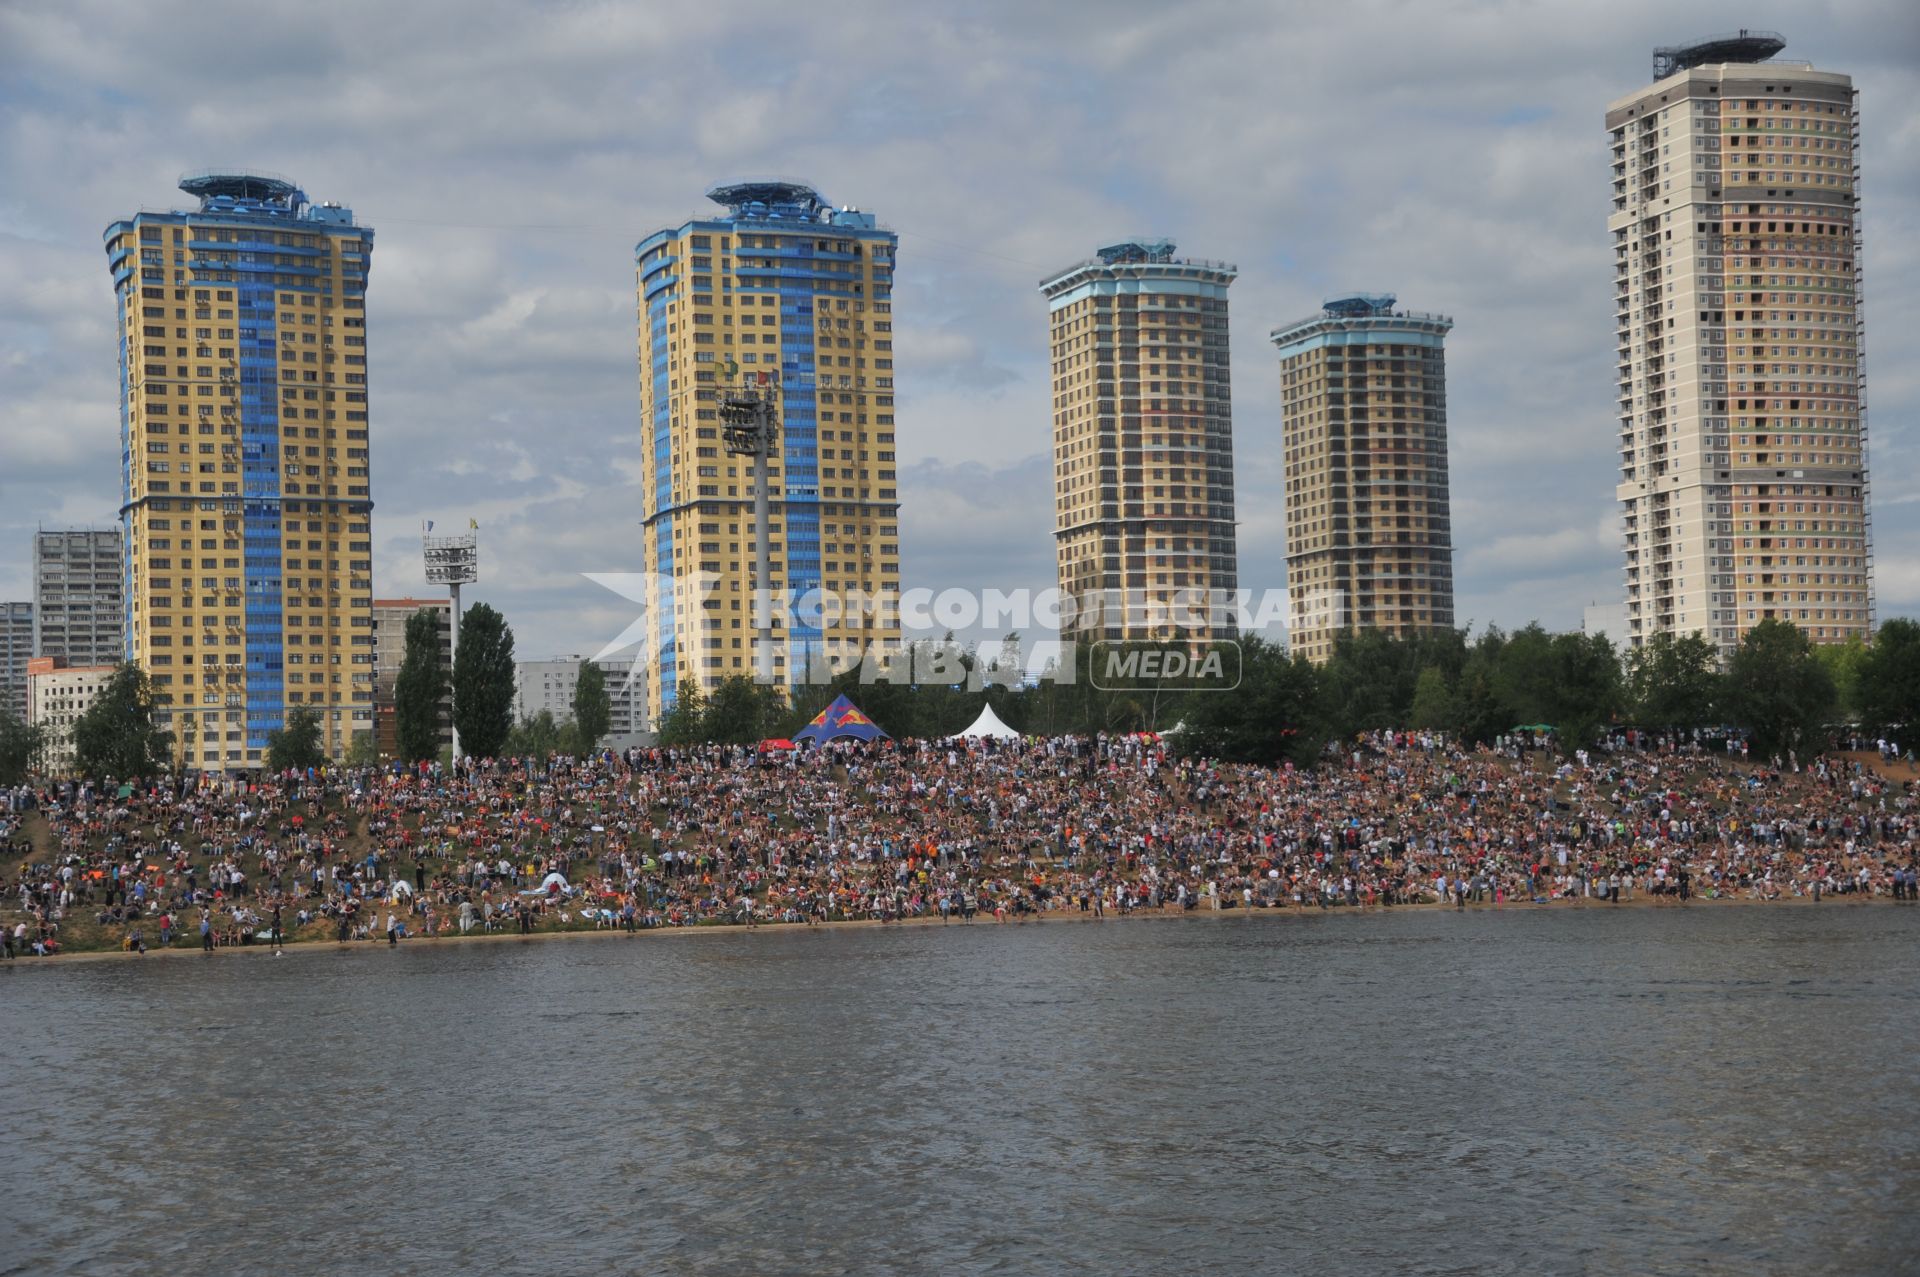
[{"x": 1777, "y": 687}]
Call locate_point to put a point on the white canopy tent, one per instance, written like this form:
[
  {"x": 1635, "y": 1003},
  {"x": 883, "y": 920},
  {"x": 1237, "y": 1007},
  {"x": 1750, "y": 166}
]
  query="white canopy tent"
[
  {"x": 989, "y": 724},
  {"x": 554, "y": 884}
]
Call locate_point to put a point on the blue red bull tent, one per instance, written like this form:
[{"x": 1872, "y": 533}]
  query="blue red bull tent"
[{"x": 838, "y": 721}]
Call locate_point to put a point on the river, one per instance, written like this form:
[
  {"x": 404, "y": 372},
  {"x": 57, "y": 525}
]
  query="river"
[{"x": 1716, "y": 1090}]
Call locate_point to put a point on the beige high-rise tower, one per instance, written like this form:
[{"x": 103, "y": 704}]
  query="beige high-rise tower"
[
  {"x": 1363, "y": 391},
  {"x": 1738, "y": 328},
  {"x": 1143, "y": 444}
]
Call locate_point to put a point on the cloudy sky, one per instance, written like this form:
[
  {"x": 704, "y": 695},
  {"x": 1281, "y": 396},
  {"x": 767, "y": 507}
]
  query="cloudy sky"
[{"x": 510, "y": 154}]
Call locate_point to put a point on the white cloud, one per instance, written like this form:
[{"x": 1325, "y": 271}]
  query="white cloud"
[{"x": 509, "y": 155}]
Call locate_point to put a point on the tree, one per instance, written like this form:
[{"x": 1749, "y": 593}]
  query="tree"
[
  {"x": 592, "y": 706},
  {"x": 1373, "y": 677},
  {"x": 116, "y": 736},
  {"x": 739, "y": 712},
  {"x": 1889, "y": 687},
  {"x": 1433, "y": 701},
  {"x": 1276, "y": 714},
  {"x": 1480, "y": 714},
  {"x": 1524, "y": 675},
  {"x": 1845, "y": 663},
  {"x": 362, "y": 750},
  {"x": 1368, "y": 683},
  {"x": 20, "y": 744},
  {"x": 1116, "y": 685},
  {"x": 419, "y": 689},
  {"x": 483, "y": 682},
  {"x": 1585, "y": 693},
  {"x": 1778, "y": 690},
  {"x": 538, "y": 737},
  {"x": 298, "y": 745},
  {"x": 1674, "y": 682},
  {"x": 685, "y": 719},
  {"x": 1482, "y": 711}
]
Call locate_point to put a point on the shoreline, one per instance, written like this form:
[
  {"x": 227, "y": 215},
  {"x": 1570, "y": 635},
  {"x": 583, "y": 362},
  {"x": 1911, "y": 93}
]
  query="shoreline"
[{"x": 1069, "y": 917}]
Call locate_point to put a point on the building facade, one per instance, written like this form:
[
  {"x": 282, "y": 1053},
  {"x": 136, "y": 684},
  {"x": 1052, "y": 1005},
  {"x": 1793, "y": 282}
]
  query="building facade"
[
  {"x": 79, "y": 596},
  {"x": 786, "y": 293},
  {"x": 16, "y": 649},
  {"x": 545, "y": 686},
  {"x": 1144, "y": 539},
  {"x": 1364, "y": 434},
  {"x": 549, "y": 685},
  {"x": 57, "y": 695},
  {"x": 627, "y": 699},
  {"x": 247, "y": 499},
  {"x": 1738, "y": 337},
  {"x": 1607, "y": 621},
  {"x": 390, "y": 618}
]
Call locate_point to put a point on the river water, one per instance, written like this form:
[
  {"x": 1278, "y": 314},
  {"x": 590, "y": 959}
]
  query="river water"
[{"x": 1727, "y": 1090}]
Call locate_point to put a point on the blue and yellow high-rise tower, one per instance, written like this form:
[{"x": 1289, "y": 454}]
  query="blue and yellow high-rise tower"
[
  {"x": 785, "y": 292},
  {"x": 244, "y": 458}
]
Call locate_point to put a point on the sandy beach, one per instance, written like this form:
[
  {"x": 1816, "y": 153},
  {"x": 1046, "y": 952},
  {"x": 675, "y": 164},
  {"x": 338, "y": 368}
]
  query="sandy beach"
[{"x": 1062, "y": 917}]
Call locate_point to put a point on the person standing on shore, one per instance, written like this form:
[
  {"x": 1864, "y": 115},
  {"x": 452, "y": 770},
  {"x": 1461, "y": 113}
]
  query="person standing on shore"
[
  {"x": 393, "y": 930},
  {"x": 273, "y": 934},
  {"x": 206, "y": 932}
]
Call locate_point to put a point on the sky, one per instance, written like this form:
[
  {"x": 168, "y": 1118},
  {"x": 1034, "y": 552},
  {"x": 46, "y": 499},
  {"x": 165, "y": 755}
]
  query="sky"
[{"x": 509, "y": 156}]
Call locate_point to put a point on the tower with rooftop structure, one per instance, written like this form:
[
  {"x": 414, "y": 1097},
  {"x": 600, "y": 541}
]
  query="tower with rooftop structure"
[
  {"x": 246, "y": 492},
  {"x": 1144, "y": 521},
  {"x": 1363, "y": 388},
  {"x": 787, "y": 300},
  {"x": 1739, "y": 345}
]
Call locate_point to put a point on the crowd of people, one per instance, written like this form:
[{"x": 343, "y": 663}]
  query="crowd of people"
[{"x": 960, "y": 831}]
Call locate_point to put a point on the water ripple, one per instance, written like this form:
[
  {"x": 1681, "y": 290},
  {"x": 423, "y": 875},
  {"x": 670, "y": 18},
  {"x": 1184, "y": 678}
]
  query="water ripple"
[{"x": 1420, "y": 1093}]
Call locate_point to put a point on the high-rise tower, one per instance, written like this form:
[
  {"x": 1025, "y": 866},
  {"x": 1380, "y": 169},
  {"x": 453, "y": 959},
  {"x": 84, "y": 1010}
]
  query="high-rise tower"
[
  {"x": 1143, "y": 443},
  {"x": 243, "y": 378},
  {"x": 792, "y": 297},
  {"x": 16, "y": 651},
  {"x": 79, "y": 610},
  {"x": 1738, "y": 332},
  {"x": 1363, "y": 392}
]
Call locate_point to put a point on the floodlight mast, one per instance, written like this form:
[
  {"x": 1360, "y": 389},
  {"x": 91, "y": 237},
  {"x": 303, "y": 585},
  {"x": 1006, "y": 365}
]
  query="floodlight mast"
[
  {"x": 750, "y": 427},
  {"x": 452, "y": 562}
]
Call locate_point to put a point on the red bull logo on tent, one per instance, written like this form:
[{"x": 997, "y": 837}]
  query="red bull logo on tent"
[{"x": 840, "y": 720}]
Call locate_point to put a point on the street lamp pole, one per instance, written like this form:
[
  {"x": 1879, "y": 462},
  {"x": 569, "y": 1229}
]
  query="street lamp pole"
[
  {"x": 453, "y": 562},
  {"x": 751, "y": 428}
]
